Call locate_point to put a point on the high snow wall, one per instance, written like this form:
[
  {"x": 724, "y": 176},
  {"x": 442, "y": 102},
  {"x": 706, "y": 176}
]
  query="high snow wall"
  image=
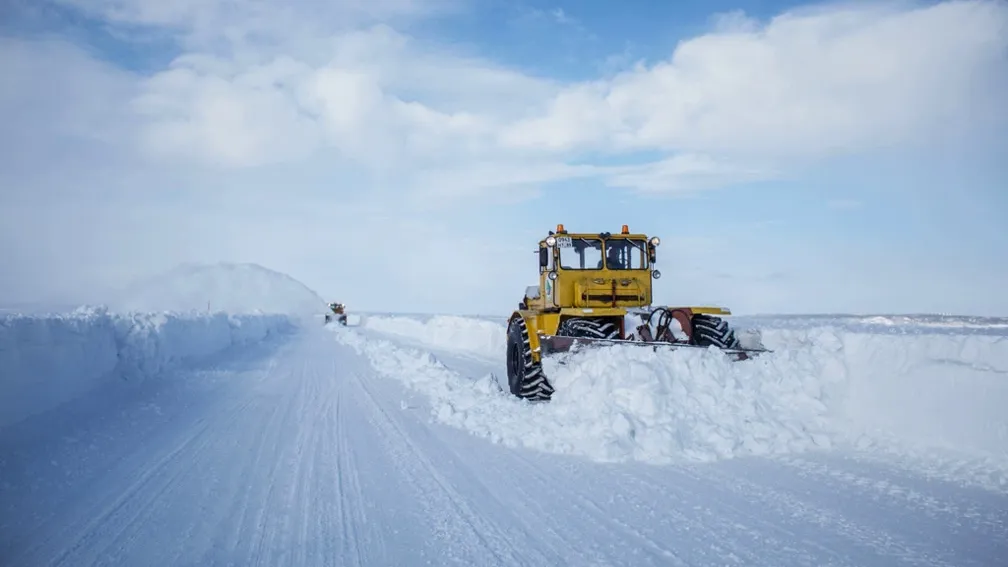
[{"x": 46, "y": 360}]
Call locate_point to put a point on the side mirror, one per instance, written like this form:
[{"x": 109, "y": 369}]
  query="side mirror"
[
  {"x": 543, "y": 257},
  {"x": 652, "y": 255}
]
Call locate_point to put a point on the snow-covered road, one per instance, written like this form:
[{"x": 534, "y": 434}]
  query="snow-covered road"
[{"x": 300, "y": 453}]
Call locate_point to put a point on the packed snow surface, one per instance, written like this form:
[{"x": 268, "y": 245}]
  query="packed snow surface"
[
  {"x": 939, "y": 386},
  {"x": 46, "y": 360},
  {"x": 222, "y": 287},
  {"x": 302, "y": 452}
]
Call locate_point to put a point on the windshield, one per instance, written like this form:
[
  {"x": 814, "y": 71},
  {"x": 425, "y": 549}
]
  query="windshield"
[
  {"x": 580, "y": 253},
  {"x": 626, "y": 254}
]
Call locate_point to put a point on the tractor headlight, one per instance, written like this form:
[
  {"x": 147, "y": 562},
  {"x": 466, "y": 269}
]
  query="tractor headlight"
[
  {"x": 552, "y": 275},
  {"x": 551, "y": 241},
  {"x": 655, "y": 241},
  {"x": 656, "y": 274}
]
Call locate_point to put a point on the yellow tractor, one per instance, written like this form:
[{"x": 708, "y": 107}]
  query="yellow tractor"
[
  {"x": 339, "y": 310},
  {"x": 595, "y": 289}
]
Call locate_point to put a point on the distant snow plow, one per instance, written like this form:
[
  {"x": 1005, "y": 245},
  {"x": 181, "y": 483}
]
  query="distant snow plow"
[
  {"x": 595, "y": 290},
  {"x": 338, "y": 313}
]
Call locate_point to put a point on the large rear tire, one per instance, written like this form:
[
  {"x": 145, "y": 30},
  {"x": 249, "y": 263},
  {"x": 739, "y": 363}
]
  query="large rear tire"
[
  {"x": 525, "y": 376},
  {"x": 709, "y": 330}
]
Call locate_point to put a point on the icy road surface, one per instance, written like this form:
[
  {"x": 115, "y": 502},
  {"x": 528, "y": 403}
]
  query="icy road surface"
[{"x": 300, "y": 454}]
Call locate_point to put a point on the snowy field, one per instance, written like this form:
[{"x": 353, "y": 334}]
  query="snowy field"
[{"x": 161, "y": 432}]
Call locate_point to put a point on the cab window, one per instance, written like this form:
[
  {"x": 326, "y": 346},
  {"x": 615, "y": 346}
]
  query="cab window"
[
  {"x": 580, "y": 253},
  {"x": 626, "y": 254}
]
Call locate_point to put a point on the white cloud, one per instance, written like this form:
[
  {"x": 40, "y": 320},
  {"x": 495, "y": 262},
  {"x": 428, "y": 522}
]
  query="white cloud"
[
  {"x": 55, "y": 103},
  {"x": 684, "y": 173},
  {"x": 373, "y": 96},
  {"x": 241, "y": 120},
  {"x": 746, "y": 98},
  {"x": 808, "y": 84}
]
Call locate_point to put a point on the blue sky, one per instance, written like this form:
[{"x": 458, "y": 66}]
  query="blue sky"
[{"x": 407, "y": 155}]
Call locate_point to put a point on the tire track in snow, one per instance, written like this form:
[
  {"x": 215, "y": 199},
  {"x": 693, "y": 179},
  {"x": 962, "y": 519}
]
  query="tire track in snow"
[
  {"x": 267, "y": 472},
  {"x": 247, "y": 501},
  {"x": 778, "y": 500},
  {"x": 445, "y": 501},
  {"x": 219, "y": 479},
  {"x": 534, "y": 503},
  {"x": 104, "y": 521},
  {"x": 313, "y": 490},
  {"x": 587, "y": 507},
  {"x": 949, "y": 525},
  {"x": 118, "y": 453},
  {"x": 705, "y": 526},
  {"x": 349, "y": 485},
  {"x": 772, "y": 540},
  {"x": 528, "y": 508},
  {"x": 301, "y": 459},
  {"x": 307, "y": 508},
  {"x": 987, "y": 522},
  {"x": 263, "y": 537}
]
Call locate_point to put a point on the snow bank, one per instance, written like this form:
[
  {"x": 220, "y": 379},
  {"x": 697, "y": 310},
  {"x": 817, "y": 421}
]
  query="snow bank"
[
  {"x": 947, "y": 391},
  {"x": 46, "y": 360},
  {"x": 861, "y": 381},
  {"x": 616, "y": 405},
  {"x": 222, "y": 287},
  {"x": 449, "y": 332}
]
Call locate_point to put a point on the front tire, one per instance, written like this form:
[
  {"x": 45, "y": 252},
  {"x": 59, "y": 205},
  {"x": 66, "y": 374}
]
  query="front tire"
[
  {"x": 709, "y": 330},
  {"x": 526, "y": 379}
]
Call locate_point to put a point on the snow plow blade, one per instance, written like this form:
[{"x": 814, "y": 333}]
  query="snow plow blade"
[{"x": 550, "y": 345}]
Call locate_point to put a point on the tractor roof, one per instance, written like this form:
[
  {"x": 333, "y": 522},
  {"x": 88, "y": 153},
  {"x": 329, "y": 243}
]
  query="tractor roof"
[{"x": 623, "y": 233}]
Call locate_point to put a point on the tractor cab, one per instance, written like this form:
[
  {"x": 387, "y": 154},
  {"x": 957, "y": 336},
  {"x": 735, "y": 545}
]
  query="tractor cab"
[{"x": 586, "y": 270}]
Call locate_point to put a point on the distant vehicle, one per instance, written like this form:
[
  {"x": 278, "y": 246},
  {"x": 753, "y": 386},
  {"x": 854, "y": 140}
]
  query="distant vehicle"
[{"x": 338, "y": 312}]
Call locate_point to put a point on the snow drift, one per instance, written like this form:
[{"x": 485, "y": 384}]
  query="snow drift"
[
  {"x": 616, "y": 405},
  {"x": 851, "y": 381},
  {"x": 222, "y": 287},
  {"x": 46, "y": 360},
  {"x": 450, "y": 332}
]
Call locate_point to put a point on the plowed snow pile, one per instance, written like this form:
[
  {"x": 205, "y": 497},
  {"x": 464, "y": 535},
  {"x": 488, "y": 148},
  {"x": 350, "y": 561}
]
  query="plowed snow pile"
[
  {"x": 657, "y": 406},
  {"x": 824, "y": 384},
  {"x": 222, "y": 287},
  {"x": 445, "y": 331}
]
